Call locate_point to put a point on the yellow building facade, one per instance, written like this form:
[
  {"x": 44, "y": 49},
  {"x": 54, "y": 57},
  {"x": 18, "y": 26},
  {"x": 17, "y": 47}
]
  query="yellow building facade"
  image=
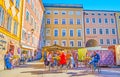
[
  {"x": 118, "y": 25},
  {"x": 10, "y": 27},
  {"x": 64, "y": 25}
]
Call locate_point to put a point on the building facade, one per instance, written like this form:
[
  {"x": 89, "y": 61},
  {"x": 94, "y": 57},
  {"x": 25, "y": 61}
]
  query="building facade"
[
  {"x": 118, "y": 25},
  {"x": 10, "y": 27},
  {"x": 64, "y": 25},
  {"x": 100, "y": 28},
  {"x": 31, "y": 25}
]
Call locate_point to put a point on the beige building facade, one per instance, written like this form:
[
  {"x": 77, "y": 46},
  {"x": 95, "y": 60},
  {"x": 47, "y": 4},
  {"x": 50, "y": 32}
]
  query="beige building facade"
[{"x": 64, "y": 25}]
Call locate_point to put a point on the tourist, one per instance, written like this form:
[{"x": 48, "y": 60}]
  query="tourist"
[
  {"x": 94, "y": 59},
  {"x": 7, "y": 59}
]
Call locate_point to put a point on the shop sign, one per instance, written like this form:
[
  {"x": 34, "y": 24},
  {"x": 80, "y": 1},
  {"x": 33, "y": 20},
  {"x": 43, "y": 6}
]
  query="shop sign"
[{"x": 3, "y": 42}]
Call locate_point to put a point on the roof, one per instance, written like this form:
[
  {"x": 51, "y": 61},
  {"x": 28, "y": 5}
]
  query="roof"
[
  {"x": 103, "y": 10},
  {"x": 63, "y": 5}
]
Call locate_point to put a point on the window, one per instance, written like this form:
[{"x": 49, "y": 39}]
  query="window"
[
  {"x": 17, "y": 3},
  {"x": 70, "y": 12},
  {"x": 63, "y": 21},
  {"x": 28, "y": 37},
  {"x": 86, "y": 13},
  {"x": 101, "y": 41},
  {"x": 55, "y": 12},
  {"x": 63, "y": 42},
  {"x": 107, "y": 31},
  {"x": 77, "y": 12},
  {"x": 106, "y": 20},
  {"x": 56, "y": 32},
  {"x": 27, "y": 15},
  {"x": 32, "y": 5},
  {"x": 93, "y": 20},
  {"x": 71, "y": 21},
  {"x": 87, "y": 31},
  {"x": 32, "y": 20},
  {"x": 79, "y": 33},
  {"x": 119, "y": 17},
  {"x": 71, "y": 43},
  {"x": 48, "y": 12},
  {"x": 93, "y": 14},
  {"x": 47, "y": 31},
  {"x": 100, "y": 31},
  {"x": 33, "y": 42},
  {"x": 112, "y": 20},
  {"x": 99, "y": 14},
  {"x": 48, "y": 21},
  {"x": 94, "y": 31},
  {"x": 9, "y": 22},
  {"x": 64, "y": 32},
  {"x": 87, "y": 20},
  {"x": 71, "y": 33},
  {"x": 114, "y": 41},
  {"x": 111, "y": 14},
  {"x": 15, "y": 27},
  {"x": 108, "y": 41},
  {"x": 47, "y": 42},
  {"x": 113, "y": 31},
  {"x": 63, "y": 12},
  {"x": 78, "y": 21},
  {"x": 105, "y": 14},
  {"x": 28, "y": 1},
  {"x": 1, "y": 16},
  {"x": 23, "y": 34},
  {"x": 100, "y": 21},
  {"x": 55, "y": 42},
  {"x": 79, "y": 43},
  {"x": 55, "y": 21}
]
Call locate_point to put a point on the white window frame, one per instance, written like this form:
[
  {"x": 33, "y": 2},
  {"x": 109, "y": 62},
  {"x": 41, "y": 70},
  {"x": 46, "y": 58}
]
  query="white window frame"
[
  {"x": 1, "y": 16},
  {"x": 94, "y": 20},
  {"x": 73, "y": 43},
  {"x": 73, "y": 32},
  {"x": 48, "y": 12},
  {"x": 65, "y": 33},
  {"x": 102, "y": 31},
  {"x": 88, "y": 20},
  {"x": 54, "y": 32},
  {"x": 78, "y": 21},
  {"x": 48, "y": 33},
  {"x": 113, "y": 21},
  {"x": 105, "y": 21},
  {"x": 64, "y": 41},
  {"x": 109, "y": 41},
  {"x": 62, "y": 21},
  {"x": 71, "y": 23},
  {"x": 47, "y": 21},
  {"x": 113, "y": 41},
  {"x": 56, "y": 21},
  {"x": 48, "y": 42},
  {"x": 63, "y": 12},
  {"x": 70, "y": 12},
  {"x": 55, "y": 41},
  {"x": 78, "y": 44},
  {"x": 98, "y": 20},
  {"x": 100, "y": 41},
  {"x": 78, "y": 13},
  {"x": 56, "y": 12},
  {"x": 93, "y": 31},
  {"x": 112, "y": 30},
  {"x": 15, "y": 31},
  {"x": 108, "y": 31},
  {"x": 80, "y": 32},
  {"x": 89, "y": 31},
  {"x": 28, "y": 15}
]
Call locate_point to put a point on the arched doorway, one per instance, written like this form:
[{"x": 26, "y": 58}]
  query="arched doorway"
[{"x": 91, "y": 43}]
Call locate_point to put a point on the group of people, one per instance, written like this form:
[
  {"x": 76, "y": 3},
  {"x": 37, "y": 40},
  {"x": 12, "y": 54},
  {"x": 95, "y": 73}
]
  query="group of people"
[
  {"x": 67, "y": 59},
  {"x": 59, "y": 58}
]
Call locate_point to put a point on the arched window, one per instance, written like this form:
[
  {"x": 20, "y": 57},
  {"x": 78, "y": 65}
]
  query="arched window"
[{"x": 1, "y": 15}]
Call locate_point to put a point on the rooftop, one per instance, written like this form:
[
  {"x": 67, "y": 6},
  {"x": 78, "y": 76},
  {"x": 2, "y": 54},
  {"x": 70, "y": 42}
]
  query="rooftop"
[{"x": 63, "y": 5}]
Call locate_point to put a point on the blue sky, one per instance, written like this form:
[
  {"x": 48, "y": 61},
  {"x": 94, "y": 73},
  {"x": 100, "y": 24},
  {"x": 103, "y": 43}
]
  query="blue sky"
[{"x": 90, "y": 4}]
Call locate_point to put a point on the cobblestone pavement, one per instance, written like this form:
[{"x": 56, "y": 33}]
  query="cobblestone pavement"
[{"x": 36, "y": 69}]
